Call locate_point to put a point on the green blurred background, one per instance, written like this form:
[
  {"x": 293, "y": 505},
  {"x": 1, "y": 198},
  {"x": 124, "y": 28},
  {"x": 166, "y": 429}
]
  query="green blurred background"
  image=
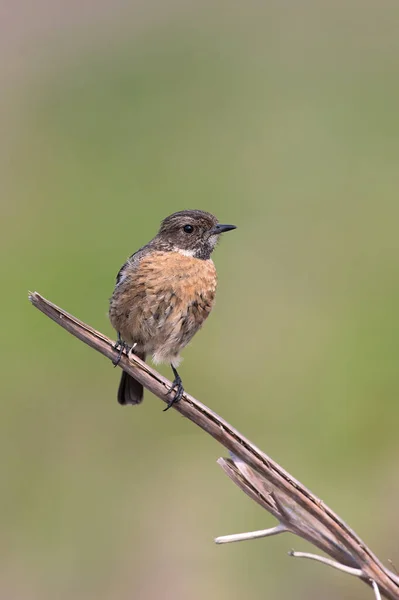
[{"x": 281, "y": 117}]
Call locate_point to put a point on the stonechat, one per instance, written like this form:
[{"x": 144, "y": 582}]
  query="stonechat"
[{"x": 163, "y": 294}]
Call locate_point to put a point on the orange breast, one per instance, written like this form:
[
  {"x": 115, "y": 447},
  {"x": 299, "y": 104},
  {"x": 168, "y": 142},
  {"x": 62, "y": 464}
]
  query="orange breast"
[
  {"x": 187, "y": 276},
  {"x": 163, "y": 301}
]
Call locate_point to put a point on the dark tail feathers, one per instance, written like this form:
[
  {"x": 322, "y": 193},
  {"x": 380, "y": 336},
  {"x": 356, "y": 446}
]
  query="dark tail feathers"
[{"x": 130, "y": 391}]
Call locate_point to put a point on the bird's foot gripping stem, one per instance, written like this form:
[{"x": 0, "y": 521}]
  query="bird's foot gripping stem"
[
  {"x": 177, "y": 388},
  {"x": 121, "y": 346}
]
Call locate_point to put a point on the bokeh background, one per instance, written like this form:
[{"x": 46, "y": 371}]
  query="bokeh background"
[{"x": 281, "y": 117}]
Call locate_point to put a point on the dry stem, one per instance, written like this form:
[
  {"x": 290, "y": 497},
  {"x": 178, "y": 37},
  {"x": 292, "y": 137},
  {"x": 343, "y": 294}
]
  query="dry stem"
[{"x": 295, "y": 507}]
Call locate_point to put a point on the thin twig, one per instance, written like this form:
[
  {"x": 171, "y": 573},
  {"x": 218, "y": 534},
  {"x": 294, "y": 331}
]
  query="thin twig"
[
  {"x": 253, "y": 471},
  {"x": 393, "y": 566},
  {"x": 327, "y": 561},
  {"x": 250, "y": 535},
  {"x": 376, "y": 590}
]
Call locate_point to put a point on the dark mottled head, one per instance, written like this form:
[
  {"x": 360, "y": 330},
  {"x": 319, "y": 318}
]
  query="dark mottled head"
[{"x": 192, "y": 232}]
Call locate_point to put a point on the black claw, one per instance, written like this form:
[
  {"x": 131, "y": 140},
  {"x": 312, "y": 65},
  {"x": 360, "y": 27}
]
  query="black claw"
[
  {"x": 121, "y": 346},
  {"x": 177, "y": 386}
]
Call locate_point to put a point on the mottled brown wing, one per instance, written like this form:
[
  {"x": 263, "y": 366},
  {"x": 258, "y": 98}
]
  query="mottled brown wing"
[
  {"x": 132, "y": 261},
  {"x": 117, "y": 303}
]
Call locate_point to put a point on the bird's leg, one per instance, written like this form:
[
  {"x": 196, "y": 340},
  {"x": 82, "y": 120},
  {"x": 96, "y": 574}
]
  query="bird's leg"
[
  {"x": 176, "y": 385},
  {"x": 121, "y": 346}
]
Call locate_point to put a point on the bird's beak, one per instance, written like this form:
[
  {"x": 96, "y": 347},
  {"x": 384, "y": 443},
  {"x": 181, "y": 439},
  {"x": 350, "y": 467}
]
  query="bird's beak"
[{"x": 219, "y": 228}]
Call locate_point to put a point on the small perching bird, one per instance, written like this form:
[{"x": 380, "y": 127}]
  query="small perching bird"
[{"x": 163, "y": 294}]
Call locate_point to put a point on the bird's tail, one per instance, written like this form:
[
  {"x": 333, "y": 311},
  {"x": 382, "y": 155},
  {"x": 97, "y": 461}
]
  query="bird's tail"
[{"x": 130, "y": 391}]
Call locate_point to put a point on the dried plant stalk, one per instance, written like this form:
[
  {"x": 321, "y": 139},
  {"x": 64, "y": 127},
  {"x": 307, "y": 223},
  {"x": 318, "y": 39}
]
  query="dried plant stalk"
[{"x": 262, "y": 479}]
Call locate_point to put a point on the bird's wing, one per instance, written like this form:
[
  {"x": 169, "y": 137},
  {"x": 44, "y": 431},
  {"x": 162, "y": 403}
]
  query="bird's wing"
[{"x": 132, "y": 262}]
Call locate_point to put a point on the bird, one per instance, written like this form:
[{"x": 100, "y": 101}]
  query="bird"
[{"x": 163, "y": 294}]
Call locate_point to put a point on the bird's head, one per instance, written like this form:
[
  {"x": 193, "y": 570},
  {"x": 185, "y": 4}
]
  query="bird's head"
[{"x": 191, "y": 232}]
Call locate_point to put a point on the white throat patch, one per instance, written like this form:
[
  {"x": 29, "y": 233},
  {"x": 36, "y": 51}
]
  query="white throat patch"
[{"x": 189, "y": 253}]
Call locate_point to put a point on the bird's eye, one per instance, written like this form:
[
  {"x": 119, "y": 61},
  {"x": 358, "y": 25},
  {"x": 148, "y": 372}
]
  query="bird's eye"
[{"x": 188, "y": 228}]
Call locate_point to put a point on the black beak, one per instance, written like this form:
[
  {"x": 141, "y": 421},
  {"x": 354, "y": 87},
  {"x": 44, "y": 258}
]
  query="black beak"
[{"x": 219, "y": 228}]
